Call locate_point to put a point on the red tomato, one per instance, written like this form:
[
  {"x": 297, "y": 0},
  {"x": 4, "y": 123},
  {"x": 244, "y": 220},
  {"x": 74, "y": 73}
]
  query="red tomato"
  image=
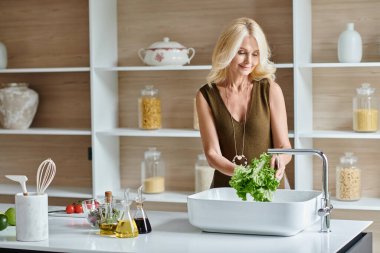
[
  {"x": 70, "y": 208},
  {"x": 78, "y": 208}
]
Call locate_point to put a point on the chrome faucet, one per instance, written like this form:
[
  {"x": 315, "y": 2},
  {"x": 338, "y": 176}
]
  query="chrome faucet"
[{"x": 326, "y": 208}]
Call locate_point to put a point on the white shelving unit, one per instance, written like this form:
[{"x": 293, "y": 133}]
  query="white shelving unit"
[
  {"x": 305, "y": 134},
  {"x": 106, "y": 133}
]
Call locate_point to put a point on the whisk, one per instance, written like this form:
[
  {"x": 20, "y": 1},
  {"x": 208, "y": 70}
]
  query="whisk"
[{"x": 45, "y": 174}]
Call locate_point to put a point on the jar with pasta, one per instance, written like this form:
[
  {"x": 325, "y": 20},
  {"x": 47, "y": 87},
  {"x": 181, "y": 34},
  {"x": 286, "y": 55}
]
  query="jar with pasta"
[
  {"x": 348, "y": 178},
  {"x": 149, "y": 108},
  {"x": 365, "y": 109}
]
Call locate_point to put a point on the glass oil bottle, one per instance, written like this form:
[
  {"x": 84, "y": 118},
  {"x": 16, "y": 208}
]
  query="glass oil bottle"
[
  {"x": 141, "y": 218},
  {"x": 126, "y": 226},
  {"x": 108, "y": 222}
]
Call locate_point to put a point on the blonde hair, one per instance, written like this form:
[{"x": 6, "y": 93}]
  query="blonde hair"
[{"x": 228, "y": 45}]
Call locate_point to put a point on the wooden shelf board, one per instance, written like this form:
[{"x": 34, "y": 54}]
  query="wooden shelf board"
[
  {"x": 64, "y": 192},
  {"x": 45, "y": 70},
  {"x": 45, "y": 131}
]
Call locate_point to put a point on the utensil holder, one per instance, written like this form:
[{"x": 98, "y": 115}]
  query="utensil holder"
[{"x": 32, "y": 217}]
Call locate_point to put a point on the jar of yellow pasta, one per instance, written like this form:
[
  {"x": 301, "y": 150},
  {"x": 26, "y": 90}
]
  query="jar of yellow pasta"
[
  {"x": 149, "y": 108},
  {"x": 365, "y": 110},
  {"x": 348, "y": 178}
]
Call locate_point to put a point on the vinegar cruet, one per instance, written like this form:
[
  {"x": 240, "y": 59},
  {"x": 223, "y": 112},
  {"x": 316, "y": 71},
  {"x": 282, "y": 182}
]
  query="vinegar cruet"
[
  {"x": 141, "y": 218},
  {"x": 126, "y": 226}
]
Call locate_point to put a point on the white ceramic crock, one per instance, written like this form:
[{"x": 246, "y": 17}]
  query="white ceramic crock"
[
  {"x": 166, "y": 52},
  {"x": 32, "y": 217}
]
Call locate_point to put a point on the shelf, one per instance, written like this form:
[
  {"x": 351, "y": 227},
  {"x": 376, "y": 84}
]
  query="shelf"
[
  {"x": 46, "y": 131},
  {"x": 181, "y": 197},
  {"x": 62, "y": 192},
  {"x": 167, "y": 196},
  {"x": 45, "y": 70},
  {"x": 339, "y": 135},
  {"x": 151, "y": 133},
  {"x": 134, "y": 132},
  {"x": 187, "y": 67},
  {"x": 340, "y": 65},
  {"x": 372, "y": 204}
]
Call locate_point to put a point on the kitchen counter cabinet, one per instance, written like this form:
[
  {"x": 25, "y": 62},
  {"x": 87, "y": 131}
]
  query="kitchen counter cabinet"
[{"x": 172, "y": 232}]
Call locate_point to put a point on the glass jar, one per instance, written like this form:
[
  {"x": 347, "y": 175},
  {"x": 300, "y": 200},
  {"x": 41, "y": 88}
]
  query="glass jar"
[
  {"x": 348, "y": 178},
  {"x": 153, "y": 172},
  {"x": 365, "y": 110},
  {"x": 149, "y": 108},
  {"x": 203, "y": 174}
]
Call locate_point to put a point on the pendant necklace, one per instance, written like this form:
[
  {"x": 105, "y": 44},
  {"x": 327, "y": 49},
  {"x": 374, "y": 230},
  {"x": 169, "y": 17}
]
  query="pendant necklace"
[{"x": 239, "y": 159}]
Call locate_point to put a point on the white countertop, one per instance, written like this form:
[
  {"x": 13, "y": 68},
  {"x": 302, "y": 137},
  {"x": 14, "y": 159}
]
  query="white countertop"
[{"x": 172, "y": 232}]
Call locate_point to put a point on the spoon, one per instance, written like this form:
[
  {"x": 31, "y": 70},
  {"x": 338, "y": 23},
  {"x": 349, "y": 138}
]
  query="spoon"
[{"x": 21, "y": 179}]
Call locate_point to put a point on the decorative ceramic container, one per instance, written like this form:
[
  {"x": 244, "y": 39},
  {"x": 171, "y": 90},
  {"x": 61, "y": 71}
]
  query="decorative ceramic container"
[
  {"x": 3, "y": 56},
  {"x": 18, "y": 105},
  {"x": 166, "y": 52},
  {"x": 350, "y": 45}
]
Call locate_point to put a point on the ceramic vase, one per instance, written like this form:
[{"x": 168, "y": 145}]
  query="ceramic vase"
[
  {"x": 18, "y": 105},
  {"x": 3, "y": 56},
  {"x": 350, "y": 45}
]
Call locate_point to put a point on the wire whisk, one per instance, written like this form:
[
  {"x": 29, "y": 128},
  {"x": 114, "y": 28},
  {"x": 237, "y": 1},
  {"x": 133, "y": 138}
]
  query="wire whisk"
[{"x": 45, "y": 174}]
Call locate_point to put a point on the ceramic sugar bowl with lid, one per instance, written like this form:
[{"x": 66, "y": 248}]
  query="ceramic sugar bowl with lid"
[{"x": 166, "y": 53}]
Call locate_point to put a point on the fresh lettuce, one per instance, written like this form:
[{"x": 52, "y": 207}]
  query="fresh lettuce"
[{"x": 257, "y": 179}]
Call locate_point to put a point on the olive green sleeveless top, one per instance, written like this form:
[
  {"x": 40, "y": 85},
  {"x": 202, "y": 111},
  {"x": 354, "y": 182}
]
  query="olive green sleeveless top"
[{"x": 258, "y": 135}]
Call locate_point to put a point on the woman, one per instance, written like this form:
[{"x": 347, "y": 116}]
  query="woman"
[{"x": 241, "y": 110}]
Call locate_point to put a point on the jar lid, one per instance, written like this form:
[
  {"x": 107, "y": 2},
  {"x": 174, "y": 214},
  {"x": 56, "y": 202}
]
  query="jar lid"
[
  {"x": 348, "y": 158},
  {"x": 152, "y": 153},
  {"x": 202, "y": 157},
  {"x": 166, "y": 44},
  {"x": 149, "y": 90},
  {"x": 7, "y": 85},
  {"x": 366, "y": 89}
]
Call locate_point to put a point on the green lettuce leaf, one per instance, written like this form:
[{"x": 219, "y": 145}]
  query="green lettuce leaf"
[{"x": 259, "y": 183}]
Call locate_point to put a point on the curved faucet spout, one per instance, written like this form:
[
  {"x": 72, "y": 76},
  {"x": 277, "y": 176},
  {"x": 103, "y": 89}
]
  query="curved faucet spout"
[{"x": 325, "y": 211}]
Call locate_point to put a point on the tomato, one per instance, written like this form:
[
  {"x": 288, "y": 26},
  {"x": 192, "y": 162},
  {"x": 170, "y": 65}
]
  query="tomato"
[
  {"x": 70, "y": 208},
  {"x": 78, "y": 208}
]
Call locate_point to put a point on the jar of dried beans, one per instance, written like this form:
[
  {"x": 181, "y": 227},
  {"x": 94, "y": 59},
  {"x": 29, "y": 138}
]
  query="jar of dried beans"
[
  {"x": 348, "y": 178},
  {"x": 365, "y": 109},
  {"x": 149, "y": 108}
]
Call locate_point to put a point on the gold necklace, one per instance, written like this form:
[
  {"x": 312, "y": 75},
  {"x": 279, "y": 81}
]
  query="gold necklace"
[{"x": 239, "y": 159}]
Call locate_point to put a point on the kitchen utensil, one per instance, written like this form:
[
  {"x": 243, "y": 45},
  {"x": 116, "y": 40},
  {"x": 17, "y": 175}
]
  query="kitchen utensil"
[
  {"x": 45, "y": 174},
  {"x": 21, "y": 179}
]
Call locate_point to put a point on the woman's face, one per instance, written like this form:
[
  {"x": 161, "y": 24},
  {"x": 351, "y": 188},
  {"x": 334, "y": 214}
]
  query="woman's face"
[{"x": 247, "y": 57}]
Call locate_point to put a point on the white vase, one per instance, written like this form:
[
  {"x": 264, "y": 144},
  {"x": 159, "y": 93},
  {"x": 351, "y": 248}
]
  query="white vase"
[
  {"x": 3, "y": 56},
  {"x": 350, "y": 45},
  {"x": 18, "y": 106}
]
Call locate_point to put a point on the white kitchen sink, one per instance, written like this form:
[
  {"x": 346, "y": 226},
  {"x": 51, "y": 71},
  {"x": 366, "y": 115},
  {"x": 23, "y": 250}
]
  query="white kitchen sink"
[{"x": 221, "y": 210}]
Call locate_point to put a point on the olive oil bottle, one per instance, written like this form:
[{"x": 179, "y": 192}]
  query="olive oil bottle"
[
  {"x": 126, "y": 226},
  {"x": 108, "y": 221}
]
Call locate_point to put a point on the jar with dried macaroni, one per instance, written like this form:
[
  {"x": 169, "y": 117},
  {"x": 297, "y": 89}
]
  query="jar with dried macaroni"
[
  {"x": 348, "y": 178},
  {"x": 149, "y": 108}
]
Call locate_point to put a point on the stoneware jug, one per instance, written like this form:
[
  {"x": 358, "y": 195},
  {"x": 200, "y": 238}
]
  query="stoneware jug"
[
  {"x": 18, "y": 105},
  {"x": 3, "y": 56},
  {"x": 350, "y": 45}
]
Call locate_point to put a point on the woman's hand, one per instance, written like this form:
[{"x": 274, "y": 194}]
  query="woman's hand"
[{"x": 277, "y": 164}]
